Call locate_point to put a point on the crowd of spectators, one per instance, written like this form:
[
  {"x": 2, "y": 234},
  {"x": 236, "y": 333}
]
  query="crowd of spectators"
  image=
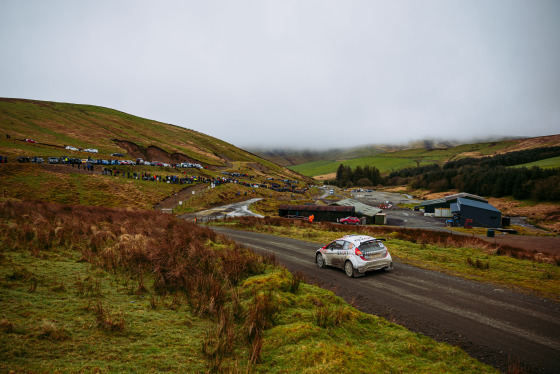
[{"x": 186, "y": 179}]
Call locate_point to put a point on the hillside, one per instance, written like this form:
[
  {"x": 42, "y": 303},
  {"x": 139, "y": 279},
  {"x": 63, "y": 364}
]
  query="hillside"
[
  {"x": 396, "y": 160},
  {"x": 292, "y": 157},
  {"x": 52, "y": 126},
  {"x": 55, "y": 125}
]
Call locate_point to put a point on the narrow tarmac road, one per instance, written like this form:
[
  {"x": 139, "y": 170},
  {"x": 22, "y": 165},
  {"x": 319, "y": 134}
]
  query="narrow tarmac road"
[{"x": 492, "y": 324}]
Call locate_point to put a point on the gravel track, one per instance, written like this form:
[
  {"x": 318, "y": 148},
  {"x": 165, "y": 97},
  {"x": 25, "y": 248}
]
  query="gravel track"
[{"x": 492, "y": 324}]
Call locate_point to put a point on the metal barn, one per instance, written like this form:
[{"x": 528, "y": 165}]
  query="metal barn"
[
  {"x": 482, "y": 214},
  {"x": 442, "y": 207}
]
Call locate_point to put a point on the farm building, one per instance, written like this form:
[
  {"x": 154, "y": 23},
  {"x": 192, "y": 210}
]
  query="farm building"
[
  {"x": 442, "y": 207},
  {"x": 482, "y": 214},
  {"x": 361, "y": 209},
  {"x": 322, "y": 213}
]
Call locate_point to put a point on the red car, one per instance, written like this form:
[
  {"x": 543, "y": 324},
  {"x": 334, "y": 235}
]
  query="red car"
[
  {"x": 30, "y": 140},
  {"x": 351, "y": 221}
]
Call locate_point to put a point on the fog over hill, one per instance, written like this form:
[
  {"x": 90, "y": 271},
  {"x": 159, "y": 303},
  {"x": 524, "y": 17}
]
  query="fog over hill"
[{"x": 295, "y": 156}]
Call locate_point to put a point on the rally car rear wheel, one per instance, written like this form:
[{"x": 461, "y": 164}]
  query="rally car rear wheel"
[{"x": 349, "y": 269}]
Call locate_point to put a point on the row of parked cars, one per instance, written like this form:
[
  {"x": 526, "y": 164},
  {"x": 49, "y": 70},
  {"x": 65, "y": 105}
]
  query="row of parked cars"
[
  {"x": 69, "y": 147},
  {"x": 90, "y": 150},
  {"x": 54, "y": 160},
  {"x": 72, "y": 160}
]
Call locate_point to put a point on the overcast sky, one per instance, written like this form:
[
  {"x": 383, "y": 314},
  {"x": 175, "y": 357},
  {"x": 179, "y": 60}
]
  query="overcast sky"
[{"x": 309, "y": 74}]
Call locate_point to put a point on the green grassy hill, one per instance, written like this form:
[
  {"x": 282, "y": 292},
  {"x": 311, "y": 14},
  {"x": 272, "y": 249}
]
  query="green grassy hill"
[
  {"x": 55, "y": 125},
  {"x": 391, "y": 161},
  {"x": 293, "y": 157},
  {"x": 549, "y": 163},
  {"x": 289, "y": 157}
]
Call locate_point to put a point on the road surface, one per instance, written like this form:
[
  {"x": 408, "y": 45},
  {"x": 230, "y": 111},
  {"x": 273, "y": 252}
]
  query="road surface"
[
  {"x": 492, "y": 324},
  {"x": 225, "y": 211}
]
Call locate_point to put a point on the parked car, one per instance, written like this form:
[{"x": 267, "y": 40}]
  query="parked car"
[
  {"x": 38, "y": 160},
  {"x": 117, "y": 154},
  {"x": 356, "y": 254},
  {"x": 30, "y": 141},
  {"x": 53, "y": 160},
  {"x": 91, "y": 150},
  {"x": 71, "y": 148},
  {"x": 351, "y": 221}
]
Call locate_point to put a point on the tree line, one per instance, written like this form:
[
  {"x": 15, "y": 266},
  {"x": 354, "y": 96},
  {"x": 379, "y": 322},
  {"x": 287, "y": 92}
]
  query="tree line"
[
  {"x": 360, "y": 176},
  {"x": 486, "y": 176},
  {"x": 521, "y": 183}
]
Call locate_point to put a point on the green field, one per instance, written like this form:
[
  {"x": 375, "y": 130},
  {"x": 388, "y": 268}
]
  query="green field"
[
  {"x": 393, "y": 161},
  {"x": 386, "y": 163},
  {"x": 549, "y": 163}
]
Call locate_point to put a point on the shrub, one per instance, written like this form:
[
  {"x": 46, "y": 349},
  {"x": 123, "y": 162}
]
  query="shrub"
[
  {"x": 49, "y": 331},
  {"x": 106, "y": 321},
  {"x": 260, "y": 316}
]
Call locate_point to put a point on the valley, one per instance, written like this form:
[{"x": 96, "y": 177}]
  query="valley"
[{"x": 129, "y": 237}]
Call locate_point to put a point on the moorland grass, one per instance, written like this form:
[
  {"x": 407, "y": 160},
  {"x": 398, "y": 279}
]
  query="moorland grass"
[
  {"x": 34, "y": 182},
  {"x": 89, "y": 289}
]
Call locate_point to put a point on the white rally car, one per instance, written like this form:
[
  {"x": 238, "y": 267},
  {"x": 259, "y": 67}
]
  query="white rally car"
[{"x": 356, "y": 254}]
